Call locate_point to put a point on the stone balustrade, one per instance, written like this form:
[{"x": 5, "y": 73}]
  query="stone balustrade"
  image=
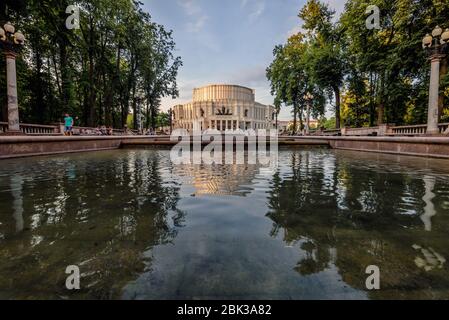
[
  {"x": 381, "y": 130},
  {"x": 417, "y": 129},
  {"x": 391, "y": 130},
  {"x": 33, "y": 129},
  {"x": 58, "y": 129}
]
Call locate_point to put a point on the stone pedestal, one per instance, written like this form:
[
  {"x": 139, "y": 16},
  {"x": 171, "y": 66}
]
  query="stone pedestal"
[
  {"x": 13, "y": 107},
  {"x": 433, "y": 117},
  {"x": 13, "y": 133},
  {"x": 385, "y": 129}
]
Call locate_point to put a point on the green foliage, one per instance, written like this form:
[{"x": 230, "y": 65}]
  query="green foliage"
[
  {"x": 380, "y": 75},
  {"x": 310, "y": 62},
  {"x": 327, "y": 124},
  {"x": 130, "y": 120},
  {"x": 119, "y": 60},
  {"x": 391, "y": 61},
  {"x": 163, "y": 120},
  {"x": 291, "y": 80}
]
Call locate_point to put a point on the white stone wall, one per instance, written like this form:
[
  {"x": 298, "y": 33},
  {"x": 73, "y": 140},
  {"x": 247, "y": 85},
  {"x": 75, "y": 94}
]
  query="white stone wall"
[
  {"x": 223, "y": 92},
  {"x": 239, "y": 106}
]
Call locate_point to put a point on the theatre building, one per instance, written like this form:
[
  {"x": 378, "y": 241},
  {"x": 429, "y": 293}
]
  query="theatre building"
[{"x": 223, "y": 107}]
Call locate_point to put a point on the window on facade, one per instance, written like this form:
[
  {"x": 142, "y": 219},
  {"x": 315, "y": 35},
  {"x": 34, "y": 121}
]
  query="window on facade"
[
  {"x": 224, "y": 112},
  {"x": 246, "y": 112}
]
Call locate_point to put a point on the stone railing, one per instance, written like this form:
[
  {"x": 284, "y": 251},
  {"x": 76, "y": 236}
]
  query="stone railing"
[
  {"x": 33, "y": 129},
  {"x": 368, "y": 131},
  {"x": 95, "y": 132},
  {"x": 58, "y": 129},
  {"x": 318, "y": 132},
  {"x": 415, "y": 130},
  {"x": 334, "y": 132},
  {"x": 384, "y": 130}
]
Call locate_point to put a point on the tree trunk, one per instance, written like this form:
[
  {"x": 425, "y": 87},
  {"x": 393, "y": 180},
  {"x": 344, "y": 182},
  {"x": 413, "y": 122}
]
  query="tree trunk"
[
  {"x": 372, "y": 109},
  {"x": 295, "y": 116},
  {"x": 380, "y": 113},
  {"x": 108, "y": 100},
  {"x": 65, "y": 76},
  {"x": 147, "y": 115},
  {"x": 337, "y": 108},
  {"x": 134, "y": 107},
  {"x": 92, "y": 94},
  {"x": 39, "y": 113},
  {"x": 153, "y": 117},
  {"x": 381, "y": 105}
]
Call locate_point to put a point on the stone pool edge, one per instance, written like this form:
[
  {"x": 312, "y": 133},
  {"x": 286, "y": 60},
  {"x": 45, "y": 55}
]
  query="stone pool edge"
[{"x": 28, "y": 146}]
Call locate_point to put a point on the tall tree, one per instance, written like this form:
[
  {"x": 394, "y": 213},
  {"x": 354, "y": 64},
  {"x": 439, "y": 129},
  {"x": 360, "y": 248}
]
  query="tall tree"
[
  {"x": 324, "y": 55},
  {"x": 118, "y": 60}
]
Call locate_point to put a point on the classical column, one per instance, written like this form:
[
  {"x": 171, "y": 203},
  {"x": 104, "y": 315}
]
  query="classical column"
[
  {"x": 432, "y": 117},
  {"x": 13, "y": 107},
  {"x": 308, "y": 119}
]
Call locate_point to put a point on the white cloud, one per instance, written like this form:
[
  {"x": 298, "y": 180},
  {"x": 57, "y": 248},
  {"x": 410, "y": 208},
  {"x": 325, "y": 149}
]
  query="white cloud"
[
  {"x": 197, "y": 25},
  {"x": 244, "y": 3},
  {"x": 250, "y": 76},
  {"x": 258, "y": 10},
  {"x": 191, "y": 7},
  {"x": 197, "y": 18},
  {"x": 256, "y": 7},
  {"x": 295, "y": 30}
]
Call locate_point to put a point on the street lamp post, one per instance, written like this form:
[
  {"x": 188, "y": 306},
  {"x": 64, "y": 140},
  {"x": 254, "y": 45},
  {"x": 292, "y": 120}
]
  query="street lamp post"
[
  {"x": 308, "y": 98},
  {"x": 139, "y": 116},
  {"x": 170, "y": 118},
  {"x": 436, "y": 45},
  {"x": 277, "y": 110},
  {"x": 11, "y": 43}
]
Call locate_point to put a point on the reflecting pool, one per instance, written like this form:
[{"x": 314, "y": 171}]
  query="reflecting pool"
[{"x": 140, "y": 227}]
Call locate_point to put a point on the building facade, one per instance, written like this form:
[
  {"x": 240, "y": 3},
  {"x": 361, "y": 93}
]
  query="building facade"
[{"x": 223, "y": 107}]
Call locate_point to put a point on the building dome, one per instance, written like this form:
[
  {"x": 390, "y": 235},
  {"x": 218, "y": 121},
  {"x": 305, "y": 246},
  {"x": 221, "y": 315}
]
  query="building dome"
[
  {"x": 223, "y": 107},
  {"x": 219, "y": 92}
]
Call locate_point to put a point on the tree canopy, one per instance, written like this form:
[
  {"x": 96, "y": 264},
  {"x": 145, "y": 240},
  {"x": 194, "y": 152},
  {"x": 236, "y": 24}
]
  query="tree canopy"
[
  {"x": 370, "y": 76},
  {"x": 118, "y": 61}
]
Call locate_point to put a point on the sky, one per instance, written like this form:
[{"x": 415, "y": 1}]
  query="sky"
[{"x": 228, "y": 41}]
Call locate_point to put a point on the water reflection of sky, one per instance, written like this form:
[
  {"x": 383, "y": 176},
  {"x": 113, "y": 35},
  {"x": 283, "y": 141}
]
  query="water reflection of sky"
[{"x": 143, "y": 228}]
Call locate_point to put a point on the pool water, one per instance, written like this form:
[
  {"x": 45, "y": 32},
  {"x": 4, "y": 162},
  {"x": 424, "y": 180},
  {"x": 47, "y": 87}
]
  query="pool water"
[{"x": 139, "y": 227}]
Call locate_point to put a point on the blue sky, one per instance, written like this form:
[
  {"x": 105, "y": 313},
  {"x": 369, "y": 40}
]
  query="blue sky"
[{"x": 227, "y": 41}]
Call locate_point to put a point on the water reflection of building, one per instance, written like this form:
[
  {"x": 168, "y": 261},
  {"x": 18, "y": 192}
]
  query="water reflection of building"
[
  {"x": 223, "y": 107},
  {"x": 220, "y": 179}
]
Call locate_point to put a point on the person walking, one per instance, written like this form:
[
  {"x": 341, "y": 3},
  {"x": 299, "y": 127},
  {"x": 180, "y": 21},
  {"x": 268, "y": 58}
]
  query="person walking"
[{"x": 68, "y": 125}]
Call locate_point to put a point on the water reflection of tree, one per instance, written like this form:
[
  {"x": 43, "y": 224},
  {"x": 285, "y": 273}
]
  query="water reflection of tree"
[
  {"x": 102, "y": 214},
  {"x": 352, "y": 218}
]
